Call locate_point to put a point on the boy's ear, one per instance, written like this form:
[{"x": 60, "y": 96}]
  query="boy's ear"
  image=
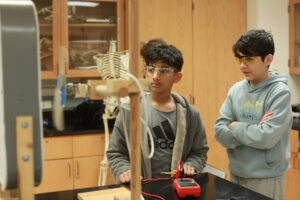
[
  {"x": 178, "y": 77},
  {"x": 268, "y": 59}
]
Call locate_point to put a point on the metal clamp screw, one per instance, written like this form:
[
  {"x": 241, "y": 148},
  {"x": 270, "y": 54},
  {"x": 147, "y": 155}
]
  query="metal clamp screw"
[
  {"x": 24, "y": 125},
  {"x": 25, "y": 157}
]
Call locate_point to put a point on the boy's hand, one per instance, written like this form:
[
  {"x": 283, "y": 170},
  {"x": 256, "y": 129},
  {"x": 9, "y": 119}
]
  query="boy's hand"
[
  {"x": 125, "y": 177},
  {"x": 188, "y": 170},
  {"x": 232, "y": 124},
  {"x": 266, "y": 117}
]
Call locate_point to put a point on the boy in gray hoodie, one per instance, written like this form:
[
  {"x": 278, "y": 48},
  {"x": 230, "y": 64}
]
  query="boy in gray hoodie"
[
  {"x": 175, "y": 125},
  {"x": 255, "y": 119}
]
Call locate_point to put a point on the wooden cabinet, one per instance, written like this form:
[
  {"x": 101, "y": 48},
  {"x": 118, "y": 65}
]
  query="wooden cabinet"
[
  {"x": 217, "y": 26},
  {"x": 88, "y": 152},
  {"x": 49, "y": 34},
  {"x": 83, "y": 28},
  {"x": 293, "y": 175},
  {"x": 171, "y": 20},
  {"x": 72, "y": 162},
  {"x": 204, "y": 31},
  {"x": 58, "y": 148},
  {"x": 57, "y": 176},
  {"x": 88, "y": 146},
  {"x": 86, "y": 171},
  {"x": 292, "y": 191},
  {"x": 294, "y": 12},
  {"x": 58, "y": 165}
]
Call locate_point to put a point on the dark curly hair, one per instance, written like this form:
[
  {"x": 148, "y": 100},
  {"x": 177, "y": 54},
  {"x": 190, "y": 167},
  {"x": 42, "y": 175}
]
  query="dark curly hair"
[
  {"x": 254, "y": 43},
  {"x": 150, "y": 44},
  {"x": 168, "y": 54}
]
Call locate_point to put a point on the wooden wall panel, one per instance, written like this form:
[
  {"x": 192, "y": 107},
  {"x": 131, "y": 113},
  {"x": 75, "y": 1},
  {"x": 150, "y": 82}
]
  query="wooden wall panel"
[
  {"x": 205, "y": 36},
  {"x": 216, "y": 27},
  {"x": 171, "y": 20}
]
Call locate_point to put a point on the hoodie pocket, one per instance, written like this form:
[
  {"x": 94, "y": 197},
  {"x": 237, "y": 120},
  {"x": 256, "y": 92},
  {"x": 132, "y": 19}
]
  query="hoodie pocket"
[{"x": 265, "y": 160}]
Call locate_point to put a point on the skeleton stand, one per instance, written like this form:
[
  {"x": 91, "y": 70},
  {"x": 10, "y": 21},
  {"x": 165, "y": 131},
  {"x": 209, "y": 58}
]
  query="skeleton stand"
[
  {"x": 104, "y": 163},
  {"x": 24, "y": 128},
  {"x": 125, "y": 87},
  {"x": 111, "y": 67},
  {"x": 135, "y": 138}
]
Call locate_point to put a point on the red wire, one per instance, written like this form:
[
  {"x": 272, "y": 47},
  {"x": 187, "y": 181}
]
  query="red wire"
[
  {"x": 153, "y": 195},
  {"x": 154, "y": 179}
]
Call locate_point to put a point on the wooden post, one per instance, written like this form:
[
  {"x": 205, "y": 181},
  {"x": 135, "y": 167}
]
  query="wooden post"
[
  {"x": 135, "y": 136},
  {"x": 24, "y": 134},
  {"x": 24, "y": 146}
]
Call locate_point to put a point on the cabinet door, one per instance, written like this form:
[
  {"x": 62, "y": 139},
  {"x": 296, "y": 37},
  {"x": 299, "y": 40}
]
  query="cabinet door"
[
  {"x": 86, "y": 171},
  {"x": 293, "y": 175},
  {"x": 295, "y": 36},
  {"x": 171, "y": 20},
  {"x": 88, "y": 26},
  {"x": 216, "y": 27},
  {"x": 57, "y": 176},
  {"x": 293, "y": 178},
  {"x": 294, "y": 141},
  {"x": 48, "y": 15}
]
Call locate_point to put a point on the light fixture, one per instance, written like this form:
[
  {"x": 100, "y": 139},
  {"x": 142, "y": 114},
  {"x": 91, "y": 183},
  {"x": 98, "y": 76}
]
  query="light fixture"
[{"x": 83, "y": 3}]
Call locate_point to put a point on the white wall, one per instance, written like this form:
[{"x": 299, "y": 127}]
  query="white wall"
[{"x": 273, "y": 16}]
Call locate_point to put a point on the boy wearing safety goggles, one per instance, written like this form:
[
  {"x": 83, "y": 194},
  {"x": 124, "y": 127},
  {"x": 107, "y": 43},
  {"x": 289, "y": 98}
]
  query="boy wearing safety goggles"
[
  {"x": 255, "y": 119},
  {"x": 175, "y": 125}
]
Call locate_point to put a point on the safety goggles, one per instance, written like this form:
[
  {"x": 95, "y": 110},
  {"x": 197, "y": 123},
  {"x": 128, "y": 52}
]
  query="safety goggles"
[
  {"x": 246, "y": 59},
  {"x": 164, "y": 71}
]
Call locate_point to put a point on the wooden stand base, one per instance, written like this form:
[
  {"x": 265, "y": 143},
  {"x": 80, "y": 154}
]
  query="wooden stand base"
[{"x": 109, "y": 194}]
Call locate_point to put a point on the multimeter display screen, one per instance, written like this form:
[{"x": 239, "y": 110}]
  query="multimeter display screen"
[{"x": 186, "y": 183}]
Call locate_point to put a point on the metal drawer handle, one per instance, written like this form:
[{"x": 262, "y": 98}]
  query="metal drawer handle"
[
  {"x": 77, "y": 170},
  {"x": 69, "y": 169}
]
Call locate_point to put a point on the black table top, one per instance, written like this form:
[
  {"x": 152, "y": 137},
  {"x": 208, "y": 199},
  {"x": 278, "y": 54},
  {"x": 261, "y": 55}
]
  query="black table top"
[{"x": 212, "y": 187}]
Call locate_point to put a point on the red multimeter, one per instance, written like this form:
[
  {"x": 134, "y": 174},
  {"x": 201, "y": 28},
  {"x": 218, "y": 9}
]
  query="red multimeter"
[{"x": 185, "y": 187}]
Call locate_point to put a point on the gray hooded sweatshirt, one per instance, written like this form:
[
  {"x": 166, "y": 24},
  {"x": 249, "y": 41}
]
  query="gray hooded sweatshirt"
[
  {"x": 257, "y": 151},
  {"x": 190, "y": 145}
]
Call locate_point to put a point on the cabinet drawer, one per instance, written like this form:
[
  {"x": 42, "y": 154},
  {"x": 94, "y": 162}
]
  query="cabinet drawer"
[
  {"x": 58, "y": 147},
  {"x": 88, "y": 145}
]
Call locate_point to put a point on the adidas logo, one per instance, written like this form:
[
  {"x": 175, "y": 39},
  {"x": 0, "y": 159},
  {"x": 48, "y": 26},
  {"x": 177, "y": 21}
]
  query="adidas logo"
[
  {"x": 163, "y": 144},
  {"x": 164, "y": 137}
]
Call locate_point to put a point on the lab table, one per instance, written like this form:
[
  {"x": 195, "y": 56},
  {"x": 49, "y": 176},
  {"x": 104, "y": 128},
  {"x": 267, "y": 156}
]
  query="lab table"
[{"x": 212, "y": 187}]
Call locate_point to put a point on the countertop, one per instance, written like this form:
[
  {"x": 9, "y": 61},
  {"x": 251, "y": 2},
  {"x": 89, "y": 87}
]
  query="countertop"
[
  {"x": 86, "y": 118},
  {"x": 212, "y": 187},
  {"x": 51, "y": 132},
  {"x": 71, "y": 129}
]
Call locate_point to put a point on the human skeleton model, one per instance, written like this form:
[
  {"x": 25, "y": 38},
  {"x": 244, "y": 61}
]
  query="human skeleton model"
[{"x": 112, "y": 65}]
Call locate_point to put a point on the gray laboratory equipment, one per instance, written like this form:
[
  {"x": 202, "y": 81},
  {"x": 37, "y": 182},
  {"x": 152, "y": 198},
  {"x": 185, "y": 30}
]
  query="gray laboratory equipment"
[{"x": 20, "y": 86}]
